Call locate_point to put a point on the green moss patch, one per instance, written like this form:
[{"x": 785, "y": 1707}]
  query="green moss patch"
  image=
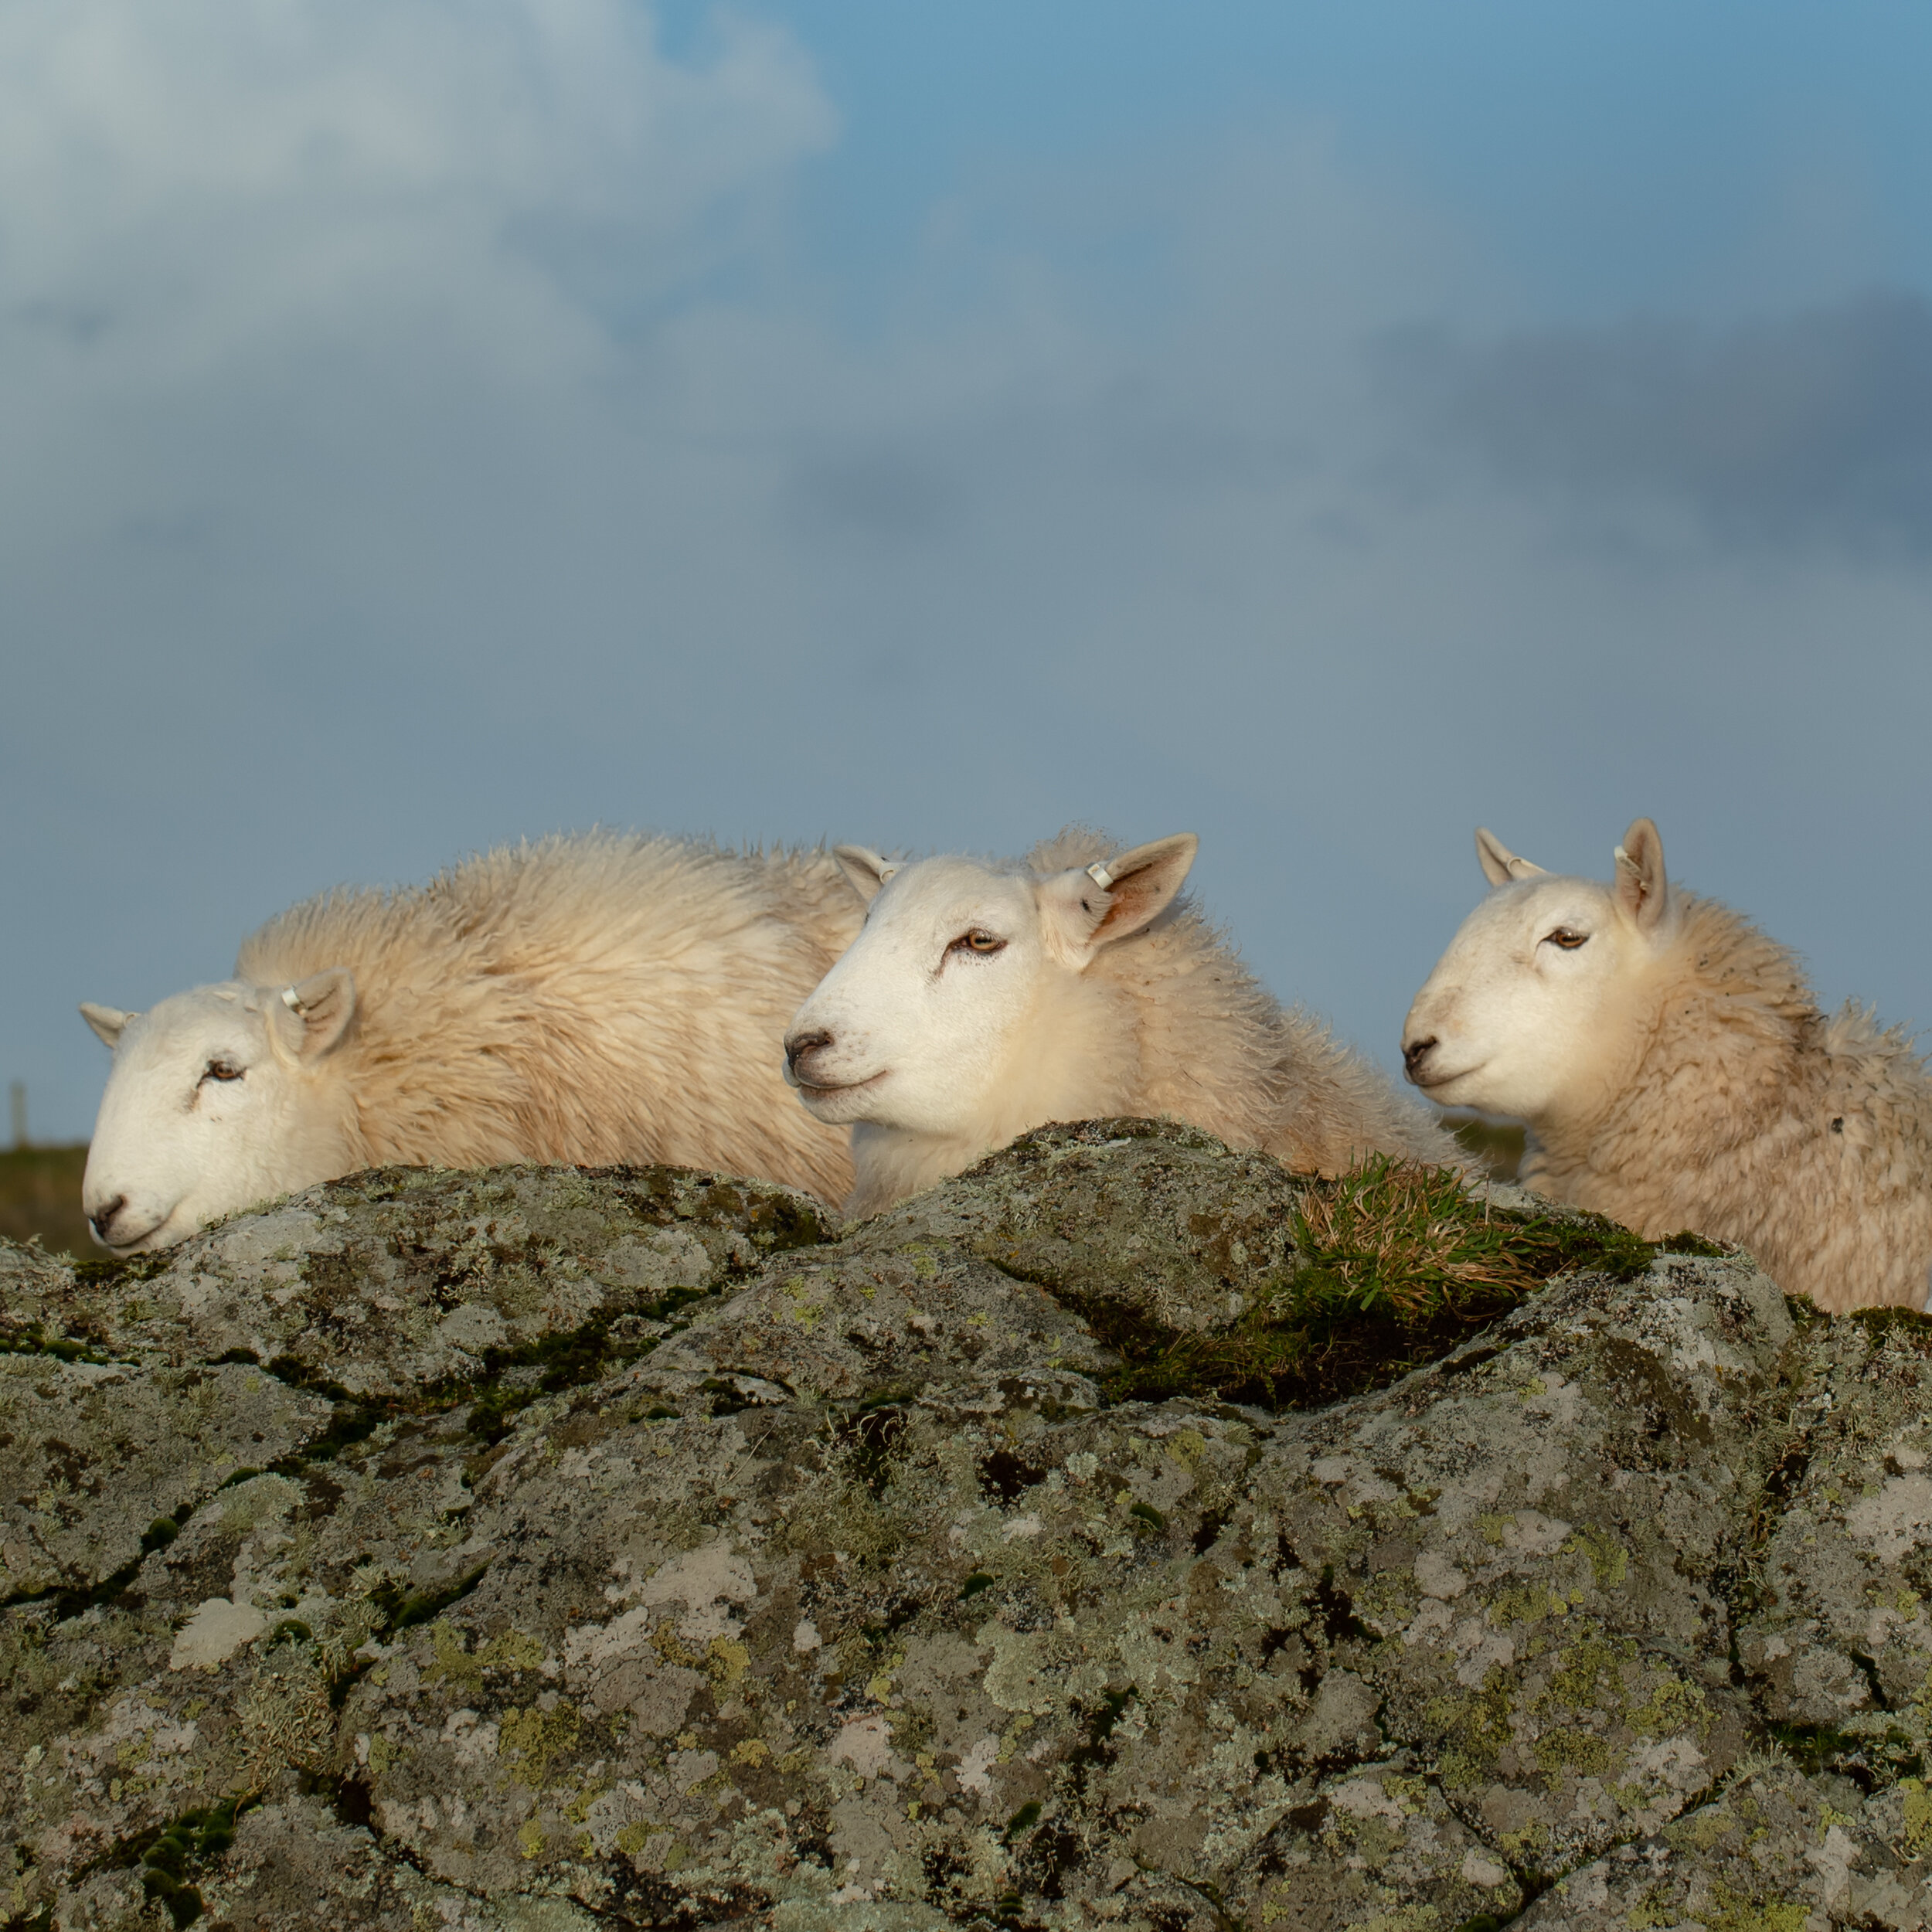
[
  {"x": 1398, "y": 1264},
  {"x": 62, "y": 1348},
  {"x": 169, "y": 1857}
]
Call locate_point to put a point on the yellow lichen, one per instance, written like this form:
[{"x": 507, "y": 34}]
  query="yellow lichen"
[
  {"x": 529, "y": 1739},
  {"x": 1701, "y": 1830},
  {"x": 1571, "y": 1749},
  {"x": 1673, "y": 1707},
  {"x": 804, "y": 1310},
  {"x": 1530, "y": 1603},
  {"x": 579, "y": 1807},
  {"x": 512, "y": 1650},
  {"x": 1590, "y": 1678},
  {"x": 1405, "y": 1918},
  {"x": 664, "y": 1640},
  {"x": 729, "y": 1661},
  {"x": 1918, "y": 1815},
  {"x": 1609, "y": 1560},
  {"x": 1736, "y": 1912}
]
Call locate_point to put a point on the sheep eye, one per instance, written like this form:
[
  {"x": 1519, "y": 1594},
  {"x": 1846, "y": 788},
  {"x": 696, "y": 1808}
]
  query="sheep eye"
[
  {"x": 221, "y": 1070},
  {"x": 977, "y": 940},
  {"x": 1563, "y": 938}
]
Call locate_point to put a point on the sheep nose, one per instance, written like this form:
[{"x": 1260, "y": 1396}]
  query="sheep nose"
[
  {"x": 800, "y": 1047},
  {"x": 103, "y": 1217},
  {"x": 1415, "y": 1052}
]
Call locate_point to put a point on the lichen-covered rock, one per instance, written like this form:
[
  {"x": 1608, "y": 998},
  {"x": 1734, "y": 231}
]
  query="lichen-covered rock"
[
  {"x": 96, "y": 1456},
  {"x": 839, "y": 1598},
  {"x": 1164, "y": 1221},
  {"x": 405, "y": 1279},
  {"x": 1777, "y": 1852},
  {"x": 1834, "y": 1629}
]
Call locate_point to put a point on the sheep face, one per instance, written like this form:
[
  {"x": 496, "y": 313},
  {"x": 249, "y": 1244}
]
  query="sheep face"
[
  {"x": 945, "y": 1011},
  {"x": 212, "y": 1103},
  {"x": 1536, "y": 1006}
]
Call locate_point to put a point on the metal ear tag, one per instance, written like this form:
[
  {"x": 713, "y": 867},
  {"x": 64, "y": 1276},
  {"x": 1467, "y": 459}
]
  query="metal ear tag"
[{"x": 1101, "y": 876}]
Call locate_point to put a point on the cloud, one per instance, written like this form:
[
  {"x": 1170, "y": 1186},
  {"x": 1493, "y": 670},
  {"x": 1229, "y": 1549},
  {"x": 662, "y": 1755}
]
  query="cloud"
[
  {"x": 306, "y": 305},
  {"x": 207, "y": 174},
  {"x": 1813, "y": 428}
]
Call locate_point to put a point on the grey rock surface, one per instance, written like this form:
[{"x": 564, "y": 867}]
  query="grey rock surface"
[
  {"x": 641, "y": 1549},
  {"x": 398, "y": 1280},
  {"x": 94, "y": 1454}
]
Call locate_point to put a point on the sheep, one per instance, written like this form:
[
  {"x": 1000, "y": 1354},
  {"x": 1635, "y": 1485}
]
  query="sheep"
[
  {"x": 982, "y": 1000},
  {"x": 597, "y": 999},
  {"x": 1675, "y": 1072}
]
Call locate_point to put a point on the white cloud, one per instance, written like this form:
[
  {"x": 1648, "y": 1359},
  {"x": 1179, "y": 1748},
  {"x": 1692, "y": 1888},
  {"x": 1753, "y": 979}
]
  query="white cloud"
[{"x": 182, "y": 184}]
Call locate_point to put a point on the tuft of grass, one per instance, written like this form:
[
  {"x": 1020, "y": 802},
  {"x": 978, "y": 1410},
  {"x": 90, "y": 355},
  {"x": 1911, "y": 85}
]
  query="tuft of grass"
[{"x": 1399, "y": 1264}]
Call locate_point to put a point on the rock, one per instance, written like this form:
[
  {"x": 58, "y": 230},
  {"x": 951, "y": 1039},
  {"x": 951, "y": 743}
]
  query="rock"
[
  {"x": 406, "y": 1280},
  {"x": 102, "y": 1459},
  {"x": 650, "y": 1551}
]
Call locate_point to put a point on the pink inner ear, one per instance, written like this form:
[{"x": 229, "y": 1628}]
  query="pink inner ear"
[
  {"x": 1133, "y": 901},
  {"x": 1122, "y": 906}
]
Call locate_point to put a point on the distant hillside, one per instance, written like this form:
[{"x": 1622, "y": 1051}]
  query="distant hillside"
[
  {"x": 40, "y": 1194},
  {"x": 1499, "y": 1148}
]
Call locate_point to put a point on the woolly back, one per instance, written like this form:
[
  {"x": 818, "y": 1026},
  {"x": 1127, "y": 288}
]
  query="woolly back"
[
  {"x": 600, "y": 998},
  {"x": 1217, "y": 1049},
  {"x": 1205, "y": 1032},
  {"x": 1748, "y": 1115},
  {"x": 1725, "y": 1010},
  {"x": 1723, "y": 963}
]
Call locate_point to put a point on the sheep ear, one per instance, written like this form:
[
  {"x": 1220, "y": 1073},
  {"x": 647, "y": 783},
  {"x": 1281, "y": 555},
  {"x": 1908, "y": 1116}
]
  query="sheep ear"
[
  {"x": 1088, "y": 909},
  {"x": 864, "y": 871},
  {"x": 1499, "y": 864},
  {"x": 107, "y": 1021},
  {"x": 308, "y": 1018},
  {"x": 1643, "y": 892}
]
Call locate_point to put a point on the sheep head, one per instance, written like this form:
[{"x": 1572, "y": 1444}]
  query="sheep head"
[
  {"x": 1538, "y": 999},
  {"x": 214, "y": 1102},
  {"x": 921, "y": 1022}
]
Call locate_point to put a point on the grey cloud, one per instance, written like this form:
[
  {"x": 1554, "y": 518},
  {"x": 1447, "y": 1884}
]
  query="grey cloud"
[
  {"x": 965, "y": 464},
  {"x": 892, "y": 495},
  {"x": 70, "y": 321},
  {"x": 1814, "y": 427}
]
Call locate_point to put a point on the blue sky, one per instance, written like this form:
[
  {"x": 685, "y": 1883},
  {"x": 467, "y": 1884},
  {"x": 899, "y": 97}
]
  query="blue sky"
[
  {"x": 1604, "y": 154},
  {"x": 1320, "y": 428}
]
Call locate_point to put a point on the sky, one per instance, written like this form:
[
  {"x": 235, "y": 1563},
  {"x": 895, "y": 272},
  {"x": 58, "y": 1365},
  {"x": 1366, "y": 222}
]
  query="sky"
[{"x": 1323, "y": 429}]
